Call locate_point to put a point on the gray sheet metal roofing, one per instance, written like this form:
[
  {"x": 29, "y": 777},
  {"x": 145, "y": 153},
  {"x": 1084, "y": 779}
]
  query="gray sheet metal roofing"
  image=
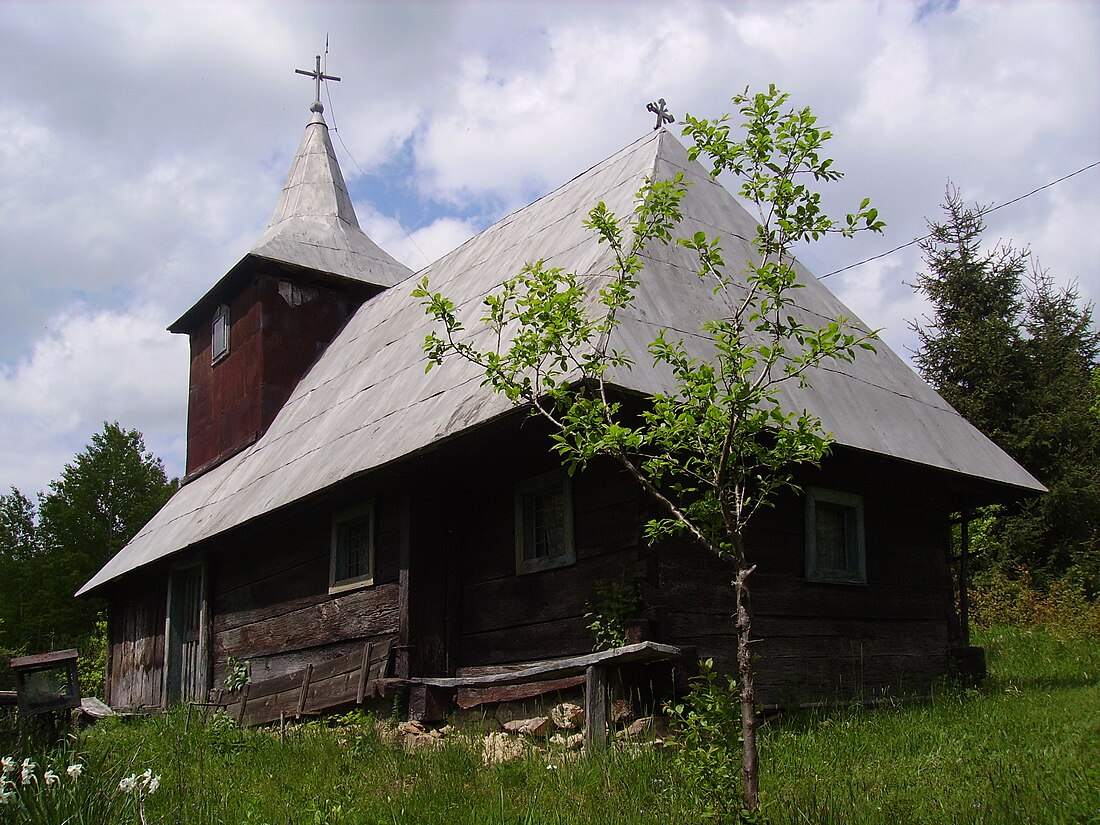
[
  {"x": 314, "y": 227},
  {"x": 367, "y": 401}
]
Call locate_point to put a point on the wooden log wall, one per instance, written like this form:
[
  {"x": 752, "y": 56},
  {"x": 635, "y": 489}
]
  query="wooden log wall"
[
  {"x": 270, "y": 598},
  {"x": 507, "y": 617},
  {"x": 819, "y": 641},
  {"x": 822, "y": 641}
]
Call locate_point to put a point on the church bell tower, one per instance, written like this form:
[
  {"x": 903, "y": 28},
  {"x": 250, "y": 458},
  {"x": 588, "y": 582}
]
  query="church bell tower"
[{"x": 259, "y": 329}]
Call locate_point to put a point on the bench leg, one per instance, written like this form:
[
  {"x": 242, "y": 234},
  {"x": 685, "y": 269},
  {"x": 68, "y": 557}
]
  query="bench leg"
[{"x": 595, "y": 708}]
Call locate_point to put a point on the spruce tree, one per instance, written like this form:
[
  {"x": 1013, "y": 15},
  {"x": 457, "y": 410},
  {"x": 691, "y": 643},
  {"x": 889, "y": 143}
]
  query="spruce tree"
[{"x": 1017, "y": 356}]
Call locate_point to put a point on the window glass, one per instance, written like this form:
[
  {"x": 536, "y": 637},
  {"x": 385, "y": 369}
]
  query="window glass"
[
  {"x": 352, "y": 548},
  {"x": 544, "y": 523},
  {"x": 834, "y": 536},
  {"x": 544, "y": 517},
  {"x": 219, "y": 334}
]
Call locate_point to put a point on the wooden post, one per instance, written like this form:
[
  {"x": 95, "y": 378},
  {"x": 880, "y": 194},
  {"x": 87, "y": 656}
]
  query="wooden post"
[
  {"x": 401, "y": 663},
  {"x": 364, "y": 673},
  {"x": 964, "y": 578},
  {"x": 244, "y": 702},
  {"x": 595, "y": 707}
]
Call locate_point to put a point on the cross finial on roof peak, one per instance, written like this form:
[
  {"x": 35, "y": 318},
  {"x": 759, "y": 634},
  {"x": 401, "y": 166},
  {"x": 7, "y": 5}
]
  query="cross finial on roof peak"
[
  {"x": 662, "y": 113},
  {"x": 317, "y": 76}
]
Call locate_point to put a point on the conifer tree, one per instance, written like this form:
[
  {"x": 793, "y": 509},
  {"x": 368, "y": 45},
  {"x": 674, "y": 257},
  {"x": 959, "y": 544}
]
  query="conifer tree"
[{"x": 1017, "y": 356}]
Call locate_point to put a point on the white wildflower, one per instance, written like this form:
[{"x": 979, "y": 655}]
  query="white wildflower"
[
  {"x": 74, "y": 771},
  {"x": 51, "y": 778},
  {"x": 5, "y": 794},
  {"x": 152, "y": 784},
  {"x": 28, "y": 776},
  {"x": 8, "y": 764},
  {"x": 127, "y": 784}
]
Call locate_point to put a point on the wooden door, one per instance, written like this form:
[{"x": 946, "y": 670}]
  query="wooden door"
[{"x": 186, "y": 672}]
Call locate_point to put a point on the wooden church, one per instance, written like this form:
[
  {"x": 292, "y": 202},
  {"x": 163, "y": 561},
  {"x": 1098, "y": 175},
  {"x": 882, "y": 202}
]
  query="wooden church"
[{"x": 338, "y": 499}]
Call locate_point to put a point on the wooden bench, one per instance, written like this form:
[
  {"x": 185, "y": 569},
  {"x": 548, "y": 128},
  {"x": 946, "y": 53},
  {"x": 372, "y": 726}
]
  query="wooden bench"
[{"x": 590, "y": 669}]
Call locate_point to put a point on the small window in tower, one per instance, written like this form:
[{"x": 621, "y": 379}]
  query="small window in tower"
[{"x": 219, "y": 335}]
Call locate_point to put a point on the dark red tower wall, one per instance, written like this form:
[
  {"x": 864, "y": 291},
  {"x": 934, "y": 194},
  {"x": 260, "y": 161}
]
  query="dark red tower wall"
[{"x": 273, "y": 340}]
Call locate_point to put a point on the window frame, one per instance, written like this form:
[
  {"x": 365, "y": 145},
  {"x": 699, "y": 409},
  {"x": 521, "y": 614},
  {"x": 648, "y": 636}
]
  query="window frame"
[
  {"x": 221, "y": 314},
  {"x": 524, "y": 491},
  {"x": 853, "y": 503},
  {"x": 339, "y": 521}
]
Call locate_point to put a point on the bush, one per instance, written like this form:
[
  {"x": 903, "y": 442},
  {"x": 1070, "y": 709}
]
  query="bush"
[
  {"x": 92, "y": 663},
  {"x": 708, "y": 743},
  {"x": 1063, "y": 609}
]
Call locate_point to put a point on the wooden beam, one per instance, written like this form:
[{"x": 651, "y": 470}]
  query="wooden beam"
[
  {"x": 401, "y": 665},
  {"x": 307, "y": 674},
  {"x": 964, "y": 576},
  {"x": 364, "y": 673},
  {"x": 472, "y": 697}
]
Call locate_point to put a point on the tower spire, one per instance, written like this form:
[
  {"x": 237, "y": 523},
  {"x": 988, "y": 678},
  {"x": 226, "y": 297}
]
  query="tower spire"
[{"x": 317, "y": 76}]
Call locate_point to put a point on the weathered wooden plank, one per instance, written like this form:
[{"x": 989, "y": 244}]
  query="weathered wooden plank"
[
  {"x": 566, "y": 637},
  {"x": 352, "y": 615},
  {"x": 255, "y": 607},
  {"x": 266, "y": 687},
  {"x": 561, "y": 668},
  {"x": 303, "y": 693},
  {"x": 595, "y": 707},
  {"x": 791, "y": 597},
  {"x": 472, "y": 697},
  {"x": 335, "y": 691},
  {"x": 270, "y": 708},
  {"x": 292, "y": 661},
  {"x": 364, "y": 674},
  {"x": 137, "y": 649}
]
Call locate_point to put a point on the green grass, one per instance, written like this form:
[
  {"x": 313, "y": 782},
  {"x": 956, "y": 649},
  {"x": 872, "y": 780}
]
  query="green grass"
[{"x": 1023, "y": 748}]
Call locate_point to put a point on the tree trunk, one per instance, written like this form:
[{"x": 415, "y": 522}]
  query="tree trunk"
[{"x": 750, "y": 764}]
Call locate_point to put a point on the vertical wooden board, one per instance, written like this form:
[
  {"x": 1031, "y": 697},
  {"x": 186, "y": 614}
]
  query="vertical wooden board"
[
  {"x": 136, "y": 653},
  {"x": 595, "y": 708}
]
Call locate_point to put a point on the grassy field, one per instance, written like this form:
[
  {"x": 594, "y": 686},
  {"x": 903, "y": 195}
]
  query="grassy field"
[{"x": 1023, "y": 748}]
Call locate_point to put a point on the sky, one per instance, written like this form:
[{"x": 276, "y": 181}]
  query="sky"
[{"x": 143, "y": 147}]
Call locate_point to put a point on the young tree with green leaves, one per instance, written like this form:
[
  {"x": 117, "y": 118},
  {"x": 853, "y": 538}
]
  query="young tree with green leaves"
[{"x": 719, "y": 445}]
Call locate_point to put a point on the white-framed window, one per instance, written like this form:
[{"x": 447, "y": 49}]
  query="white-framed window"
[
  {"x": 544, "y": 523},
  {"x": 352, "y": 559},
  {"x": 835, "y": 549},
  {"x": 219, "y": 334}
]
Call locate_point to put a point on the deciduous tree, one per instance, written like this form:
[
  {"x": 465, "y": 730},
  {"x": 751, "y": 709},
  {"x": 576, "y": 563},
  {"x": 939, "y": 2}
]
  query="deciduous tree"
[
  {"x": 719, "y": 445},
  {"x": 102, "y": 498}
]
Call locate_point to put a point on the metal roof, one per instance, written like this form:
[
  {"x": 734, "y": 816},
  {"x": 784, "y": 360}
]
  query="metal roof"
[
  {"x": 368, "y": 402},
  {"x": 314, "y": 226}
]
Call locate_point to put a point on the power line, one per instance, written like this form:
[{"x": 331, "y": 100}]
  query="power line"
[
  {"x": 335, "y": 128},
  {"x": 981, "y": 213}
]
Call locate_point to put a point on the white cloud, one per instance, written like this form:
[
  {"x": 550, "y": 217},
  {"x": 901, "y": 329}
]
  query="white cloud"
[
  {"x": 420, "y": 247},
  {"x": 89, "y": 368},
  {"x": 142, "y": 147}
]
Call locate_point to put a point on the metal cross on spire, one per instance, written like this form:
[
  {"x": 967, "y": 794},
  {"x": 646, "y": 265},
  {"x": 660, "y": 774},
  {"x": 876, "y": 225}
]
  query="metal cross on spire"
[
  {"x": 659, "y": 109},
  {"x": 317, "y": 76}
]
